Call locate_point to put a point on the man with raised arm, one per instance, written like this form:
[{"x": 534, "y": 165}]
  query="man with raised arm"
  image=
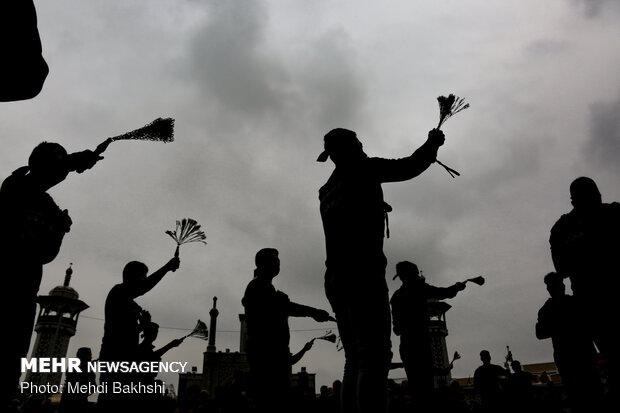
[
  {"x": 354, "y": 218},
  {"x": 125, "y": 319},
  {"x": 267, "y": 311},
  {"x": 33, "y": 229}
]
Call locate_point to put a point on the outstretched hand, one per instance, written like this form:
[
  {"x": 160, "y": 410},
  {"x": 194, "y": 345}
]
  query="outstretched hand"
[
  {"x": 84, "y": 160},
  {"x": 436, "y": 137},
  {"x": 173, "y": 264},
  {"x": 103, "y": 146}
]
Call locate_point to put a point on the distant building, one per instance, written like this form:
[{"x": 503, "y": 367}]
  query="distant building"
[
  {"x": 539, "y": 369},
  {"x": 221, "y": 368},
  {"x": 56, "y": 324},
  {"x": 218, "y": 368}
]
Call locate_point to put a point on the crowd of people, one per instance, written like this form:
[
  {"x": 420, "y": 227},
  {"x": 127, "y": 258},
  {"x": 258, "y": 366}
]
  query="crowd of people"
[
  {"x": 354, "y": 216},
  {"x": 355, "y": 222}
]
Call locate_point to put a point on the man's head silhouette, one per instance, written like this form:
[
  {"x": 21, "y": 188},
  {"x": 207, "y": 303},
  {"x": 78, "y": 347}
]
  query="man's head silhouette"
[
  {"x": 407, "y": 272},
  {"x": 555, "y": 284},
  {"x": 342, "y": 146},
  {"x": 584, "y": 194},
  {"x": 84, "y": 354},
  {"x": 267, "y": 263},
  {"x": 516, "y": 366},
  {"x": 485, "y": 357},
  {"x": 48, "y": 164},
  {"x": 134, "y": 274}
]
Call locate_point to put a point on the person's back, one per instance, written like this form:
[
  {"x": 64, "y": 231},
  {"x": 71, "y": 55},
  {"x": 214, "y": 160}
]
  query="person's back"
[
  {"x": 266, "y": 317},
  {"x": 561, "y": 320},
  {"x": 121, "y": 328},
  {"x": 584, "y": 242},
  {"x": 353, "y": 213}
]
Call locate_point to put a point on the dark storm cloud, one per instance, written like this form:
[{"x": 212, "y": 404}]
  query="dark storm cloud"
[
  {"x": 254, "y": 85},
  {"x": 595, "y": 8},
  {"x": 232, "y": 63},
  {"x": 603, "y": 145}
]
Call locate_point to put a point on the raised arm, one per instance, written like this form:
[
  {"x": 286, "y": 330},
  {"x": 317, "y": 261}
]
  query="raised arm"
[
  {"x": 396, "y": 170},
  {"x": 300, "y": 310},
  {"x": 441, "y": 293},
  {"x": 174, "y": 343},
  {"x": 301, "y": 353},
  {"x": 153, "y": 279}
]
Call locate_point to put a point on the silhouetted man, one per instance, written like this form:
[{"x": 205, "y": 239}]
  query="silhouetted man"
[
  {"x": 125, "y": 319},
  {"x": 23, "y": 69},
  {"x": 519, "y": 389},
  {"x": 562, "y": 320},
  {"x": 354, "y": 215},
  {"x": 488, "y": 383},
  {"x": 411, "y": 323},
  {"x": 72, "y": 401},
  {"x": 33, "y": 230},
  {"x": 584, "y": 247},
  {"x": 267, "y": 311}
]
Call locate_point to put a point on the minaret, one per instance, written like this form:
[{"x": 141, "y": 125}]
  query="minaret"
[
  {"x": 56, "y": 324},
  {"x": 213, "y": 326},
  {"x": 438, "y": 331}
]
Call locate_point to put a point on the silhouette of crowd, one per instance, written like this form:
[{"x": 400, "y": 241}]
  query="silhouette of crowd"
[{"x": 354, "y": 215}]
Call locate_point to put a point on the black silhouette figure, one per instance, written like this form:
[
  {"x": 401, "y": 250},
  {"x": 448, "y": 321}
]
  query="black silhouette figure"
[
  {"x": 34, "y": 227},
  {"x": 519, "y": 391},
  {"x": 72, "y": 401},
  {"x": 267, "y": 311},
  {"x": 354, "y": 218},
  {"x": 488, "y": 380},
  {"x": 584, "y": 248},
  {"x": 146, "y": 348},
  {"x": 411, "y": 322},
  {"x": 125, "y": 319},
  {"x": 147, "y": 352},
  {"x": 23, "y": 69},
  {"x": 562, "y": 320}
]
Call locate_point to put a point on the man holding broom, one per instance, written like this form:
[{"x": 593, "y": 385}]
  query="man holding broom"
[
  {"x": 125, "y": 319},
  {"x": 36, "y": 227},
  {"x": 267, "y": 311},
  {"x": 354, "y": 218},
  {"x": 411, "y": 320}
]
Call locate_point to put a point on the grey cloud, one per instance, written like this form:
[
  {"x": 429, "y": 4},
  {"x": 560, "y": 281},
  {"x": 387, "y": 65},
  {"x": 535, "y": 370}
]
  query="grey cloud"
[
  {"x": 603, "y": 145},
  {"x": 595, "y": 8},
  {"x": 546, "y": 47}
]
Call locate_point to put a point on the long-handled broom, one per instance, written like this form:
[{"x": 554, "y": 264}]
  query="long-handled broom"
[{"x": 160, "y": 130}]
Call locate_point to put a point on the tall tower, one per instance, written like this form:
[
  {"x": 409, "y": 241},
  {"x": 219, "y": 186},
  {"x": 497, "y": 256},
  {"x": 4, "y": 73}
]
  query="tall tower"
[
  {"x": 58, "y": 317},
  {"x": 213, "y": 326},
  {"x": 438, "y": 331}
]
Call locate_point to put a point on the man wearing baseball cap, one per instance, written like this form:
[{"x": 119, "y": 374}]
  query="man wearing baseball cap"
[{"x": 354, "y": 218}]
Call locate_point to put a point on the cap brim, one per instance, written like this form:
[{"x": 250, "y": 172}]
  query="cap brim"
[{"x": 323, "y": 157}]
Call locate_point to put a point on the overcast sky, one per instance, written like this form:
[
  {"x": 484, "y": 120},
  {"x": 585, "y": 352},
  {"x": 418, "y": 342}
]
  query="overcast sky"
[{"x": 254, "y": 85}]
